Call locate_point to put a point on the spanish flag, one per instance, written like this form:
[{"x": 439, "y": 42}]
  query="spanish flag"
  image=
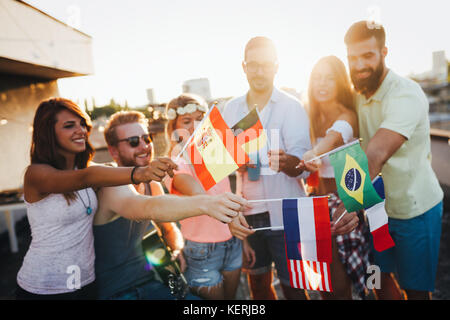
[
  {"x": 250, "y": 134},
  {"x": 352, "y": 177},
  {"x": 212, "y": 150}
]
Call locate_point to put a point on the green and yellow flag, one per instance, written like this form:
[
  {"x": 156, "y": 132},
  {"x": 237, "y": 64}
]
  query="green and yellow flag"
[{"x": 351, "y": 171}]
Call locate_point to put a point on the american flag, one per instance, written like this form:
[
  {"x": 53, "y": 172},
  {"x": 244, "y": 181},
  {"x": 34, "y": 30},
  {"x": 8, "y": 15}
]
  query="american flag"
[
  {"x": 310, "y": 275},
  {"x": 308, "y": 242}
]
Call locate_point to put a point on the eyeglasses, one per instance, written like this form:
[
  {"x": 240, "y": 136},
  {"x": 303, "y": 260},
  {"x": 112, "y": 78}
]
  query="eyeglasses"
[
  {"x": 254, "y": 66},
  {"x": 134, "y": 140}
]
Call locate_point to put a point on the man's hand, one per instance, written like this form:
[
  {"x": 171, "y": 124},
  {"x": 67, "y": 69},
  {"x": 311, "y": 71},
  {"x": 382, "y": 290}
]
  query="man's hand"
[
  {"x": 239, "y": 227},
  {"x": 224, "y": 207},
  {"x": 347, "y": 224},
  {"x": 156, "y": 170},
  {"x": 281, "y": 161}
]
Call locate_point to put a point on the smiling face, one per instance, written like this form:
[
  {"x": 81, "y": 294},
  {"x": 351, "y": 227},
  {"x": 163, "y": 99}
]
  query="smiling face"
[
  {"x": 126, "y": 155},
  {"x": 324, "y": 85},
  {"x": 366, "y": 64},
  {"x": 71, "y": 133}
]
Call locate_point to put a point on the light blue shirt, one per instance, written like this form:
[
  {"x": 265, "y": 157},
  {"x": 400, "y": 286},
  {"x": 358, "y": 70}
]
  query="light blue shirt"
[{"x": 287, "y": 127}]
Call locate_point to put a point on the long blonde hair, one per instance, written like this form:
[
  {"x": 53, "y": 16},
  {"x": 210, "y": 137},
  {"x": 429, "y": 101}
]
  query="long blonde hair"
[{"x": 344, "y": 92}]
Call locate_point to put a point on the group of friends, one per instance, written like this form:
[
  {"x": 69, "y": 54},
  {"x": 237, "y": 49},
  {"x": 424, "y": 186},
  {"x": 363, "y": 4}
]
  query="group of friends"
[{"x": 93, "y": 217}]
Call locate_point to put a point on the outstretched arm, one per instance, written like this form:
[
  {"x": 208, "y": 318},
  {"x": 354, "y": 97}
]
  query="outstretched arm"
[
  {"x": 125, "y": 201},
  {"x": 44, "y": 179}
]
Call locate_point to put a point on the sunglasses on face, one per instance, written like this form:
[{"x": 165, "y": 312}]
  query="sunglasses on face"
[{"x": 134, "y": 140}]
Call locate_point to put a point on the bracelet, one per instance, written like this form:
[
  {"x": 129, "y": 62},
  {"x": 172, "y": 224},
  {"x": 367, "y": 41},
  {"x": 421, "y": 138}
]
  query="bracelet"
[{"x": 132, "y": 175}]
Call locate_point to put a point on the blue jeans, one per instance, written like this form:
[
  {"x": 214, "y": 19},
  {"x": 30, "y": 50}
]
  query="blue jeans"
[
  {"x": 414, "y": 257},
  {"x": 150, "y": 290},
  {"x": 206, "y": 261}
]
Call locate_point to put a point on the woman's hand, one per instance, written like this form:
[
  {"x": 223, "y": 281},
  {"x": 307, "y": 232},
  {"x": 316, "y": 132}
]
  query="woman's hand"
[
  {"x": 156, "y": 170},
  {"x": 224, "y": 207},
  {"x": 248, "y": 255},
  {"x": 239, "y": 227},
  {"x": 311, "y": 166},
  {"x": 347, "y": 224}
]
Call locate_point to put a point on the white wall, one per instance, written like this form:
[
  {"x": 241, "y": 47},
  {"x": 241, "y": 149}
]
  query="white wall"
[{"x": 31, "y": 36}]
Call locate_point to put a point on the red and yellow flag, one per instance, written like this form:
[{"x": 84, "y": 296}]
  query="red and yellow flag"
[{"x": 212, "y": 150}]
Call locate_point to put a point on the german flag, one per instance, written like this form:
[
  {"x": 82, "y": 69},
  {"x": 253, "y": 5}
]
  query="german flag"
[
  {"x": 212, "y": 150},
  {"x": 250, "y": 134}
]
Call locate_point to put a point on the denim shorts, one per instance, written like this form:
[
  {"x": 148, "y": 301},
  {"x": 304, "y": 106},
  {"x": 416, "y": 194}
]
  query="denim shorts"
[
  {"x": 206, "y": 261},
  {"x": 414, "y": 257},
  {"x": 269, "y": 248}
]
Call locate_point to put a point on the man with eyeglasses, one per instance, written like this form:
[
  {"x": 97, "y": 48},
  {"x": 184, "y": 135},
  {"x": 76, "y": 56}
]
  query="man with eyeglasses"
[
  {"x": 273, "y": 173},
  {"x": 124, "y": 215}
]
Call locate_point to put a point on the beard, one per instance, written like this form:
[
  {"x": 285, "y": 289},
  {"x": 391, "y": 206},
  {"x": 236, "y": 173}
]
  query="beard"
[
  {"x": 369, "y": 84},
  {"x": 133, "y": 161}
]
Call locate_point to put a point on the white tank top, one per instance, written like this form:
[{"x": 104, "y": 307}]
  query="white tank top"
[
  {"x": 346, "y": 131},
  {"x": 62, "y": 245}
]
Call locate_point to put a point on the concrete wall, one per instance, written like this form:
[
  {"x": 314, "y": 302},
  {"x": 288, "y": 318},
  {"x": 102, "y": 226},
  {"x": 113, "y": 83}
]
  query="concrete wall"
[
  {"x": 33, "y": 37},
  {"x": 19, "y": 99}
]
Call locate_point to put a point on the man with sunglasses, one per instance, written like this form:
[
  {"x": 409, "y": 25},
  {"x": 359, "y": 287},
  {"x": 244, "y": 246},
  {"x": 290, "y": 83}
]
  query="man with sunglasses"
[{"x": 124, "y": 214}]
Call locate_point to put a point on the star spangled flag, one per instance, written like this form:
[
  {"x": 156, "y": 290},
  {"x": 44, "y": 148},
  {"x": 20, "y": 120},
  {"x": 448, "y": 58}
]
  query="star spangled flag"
[
  {"x": 352, "y": 177},
  {"x": 309, "y": 275},
  {"x": 308, "y": 242},
  {"x": 378, "y": 220},
  {"x": 250, "y": 134},
  {"x": 212, "y": 150},
  {"x": 307, "y": 223}
]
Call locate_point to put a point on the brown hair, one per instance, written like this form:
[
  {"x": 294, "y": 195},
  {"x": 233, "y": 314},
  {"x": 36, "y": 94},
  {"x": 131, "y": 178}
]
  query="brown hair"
[
  {"x": 44, "y": 145},
  {"x": 343, "y": 88},
  {"x": 363, "y": 30},
  {"x": 180, "y": 101},
  {"x": 120, "y": 118}
]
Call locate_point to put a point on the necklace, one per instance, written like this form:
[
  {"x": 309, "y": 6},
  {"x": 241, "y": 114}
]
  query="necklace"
[{"x": 88, "y": 208}]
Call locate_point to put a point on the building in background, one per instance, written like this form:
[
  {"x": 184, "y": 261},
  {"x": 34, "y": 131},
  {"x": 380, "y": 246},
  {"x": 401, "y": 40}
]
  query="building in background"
[
  {"x": 436, "y": 85},
  {"x": 198, "y": 86},
  {"x": 35, "y": 50}
]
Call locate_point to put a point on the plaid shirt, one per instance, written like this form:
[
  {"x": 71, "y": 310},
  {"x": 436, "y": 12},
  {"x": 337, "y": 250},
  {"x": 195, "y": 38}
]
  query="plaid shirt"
[{"x": 354, "y": 249}]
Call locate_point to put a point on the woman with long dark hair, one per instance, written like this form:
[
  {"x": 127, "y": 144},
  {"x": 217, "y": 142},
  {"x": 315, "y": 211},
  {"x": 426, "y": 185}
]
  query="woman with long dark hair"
[
  {"x": 59, "y": 192},
  {"x": 333, "y": 122}
]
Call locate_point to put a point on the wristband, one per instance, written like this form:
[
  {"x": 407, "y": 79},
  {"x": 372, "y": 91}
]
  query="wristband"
[{"x": 132, "y": 175}]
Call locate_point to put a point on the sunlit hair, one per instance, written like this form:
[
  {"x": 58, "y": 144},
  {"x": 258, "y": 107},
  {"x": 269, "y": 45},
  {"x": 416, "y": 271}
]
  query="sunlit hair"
[
  {"x": 121, "y": 118},
  {"x": 343, "y": 88},
  {"x": 259, "y": 42},
  {"x": 363, "y": 30},
  {"x": 44, "y": 145},
  {"x": 182, "y": 100}
]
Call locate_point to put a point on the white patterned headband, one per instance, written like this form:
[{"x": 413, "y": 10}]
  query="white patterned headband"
[{"x": 189, "y": 108}]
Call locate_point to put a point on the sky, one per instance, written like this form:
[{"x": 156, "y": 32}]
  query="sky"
[{"x": 140, "y": 44}]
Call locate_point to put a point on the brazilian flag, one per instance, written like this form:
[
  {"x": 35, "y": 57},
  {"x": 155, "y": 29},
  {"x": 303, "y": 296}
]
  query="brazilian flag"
[{"x": 351, "y": 171}]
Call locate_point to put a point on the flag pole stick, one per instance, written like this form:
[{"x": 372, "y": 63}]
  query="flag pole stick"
[
  {"x": 269, "y": 228},
  {"x": 332, "y": 151},
  {"x": 193, "y": 134},
  {"x": 280, "y": 199}
]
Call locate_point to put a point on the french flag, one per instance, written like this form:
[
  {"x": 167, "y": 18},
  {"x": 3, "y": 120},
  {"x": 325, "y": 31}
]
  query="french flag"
[
  {"x": 378, "y": 220},
  {"x": 307, "y": 228},
  {"x": 308, "y": 242}
]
